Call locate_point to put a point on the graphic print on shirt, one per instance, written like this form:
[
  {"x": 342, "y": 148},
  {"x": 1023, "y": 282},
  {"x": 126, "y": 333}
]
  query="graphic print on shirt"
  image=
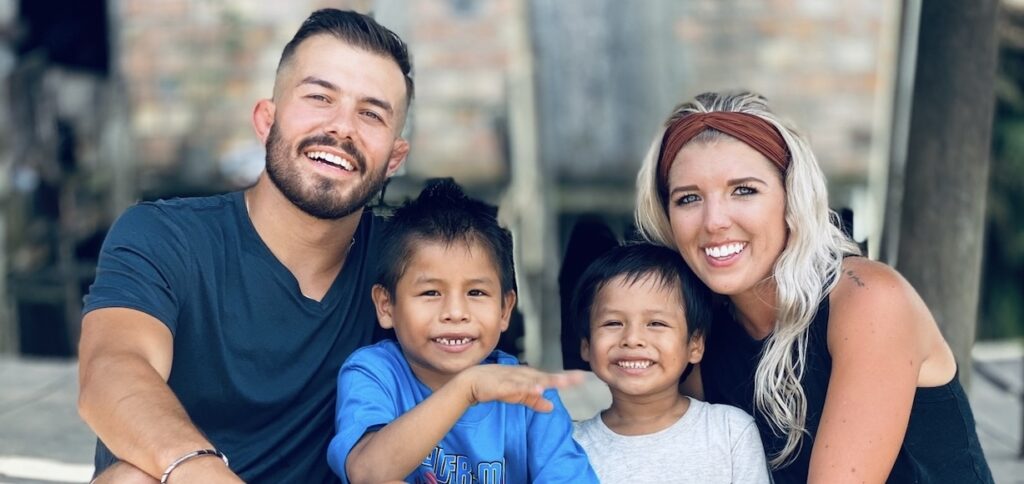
[{"x": 443, "y": 468}]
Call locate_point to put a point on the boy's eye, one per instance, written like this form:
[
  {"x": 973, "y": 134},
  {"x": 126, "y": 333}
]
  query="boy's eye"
[
  {"x": 477, "y": 293},
  {"x": 430, "y": 293},
  {"x": 687, "y": 199},
  {"x": 658, "y": 324},
  {"x": 611, "y": 324}
]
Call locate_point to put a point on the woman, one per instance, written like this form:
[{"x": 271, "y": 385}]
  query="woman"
[{"x": 836, "y": 356}]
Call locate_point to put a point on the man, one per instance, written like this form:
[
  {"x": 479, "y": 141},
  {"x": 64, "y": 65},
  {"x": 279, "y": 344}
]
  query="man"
[{"x": 216, "y": 326}]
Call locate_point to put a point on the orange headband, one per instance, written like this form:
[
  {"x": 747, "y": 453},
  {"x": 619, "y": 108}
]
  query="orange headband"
[{"x": 748, "y": 128}]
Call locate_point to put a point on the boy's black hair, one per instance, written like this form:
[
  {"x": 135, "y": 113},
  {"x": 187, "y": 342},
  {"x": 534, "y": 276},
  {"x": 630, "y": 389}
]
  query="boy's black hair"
[
  {"x": 357, "y": 30},
  {"x": 634, "y": 262},
  {"x": 443, "y": 213}
]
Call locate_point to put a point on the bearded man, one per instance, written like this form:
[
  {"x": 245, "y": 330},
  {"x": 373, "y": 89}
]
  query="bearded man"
[{"x": 215, "y": 328}]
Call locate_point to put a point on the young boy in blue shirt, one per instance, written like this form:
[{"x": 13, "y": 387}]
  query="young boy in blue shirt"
[
  {"x": 441, "y": 404},
  {"x": 642, "y": 315}
]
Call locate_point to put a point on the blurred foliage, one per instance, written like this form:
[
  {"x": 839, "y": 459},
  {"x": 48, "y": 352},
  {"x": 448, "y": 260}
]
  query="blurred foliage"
[{"x": 1002, "y": 298}]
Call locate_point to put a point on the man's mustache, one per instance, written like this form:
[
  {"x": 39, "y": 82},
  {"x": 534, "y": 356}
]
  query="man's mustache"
[{"x": 347, "y": 146}]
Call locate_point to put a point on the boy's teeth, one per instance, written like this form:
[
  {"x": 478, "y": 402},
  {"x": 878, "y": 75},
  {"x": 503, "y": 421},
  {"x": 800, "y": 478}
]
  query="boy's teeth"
[
  {"x": 725, "y": 250},
  {"x": 635, "y": 364},
  {"x": 452, "y": 341}
]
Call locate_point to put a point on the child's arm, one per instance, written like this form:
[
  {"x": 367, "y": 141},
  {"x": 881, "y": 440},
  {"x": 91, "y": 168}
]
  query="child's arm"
[
  {"x": 748, "y": 459},
  {"x": 394, "y": 451},
  {"x": 553, "y": 455}
]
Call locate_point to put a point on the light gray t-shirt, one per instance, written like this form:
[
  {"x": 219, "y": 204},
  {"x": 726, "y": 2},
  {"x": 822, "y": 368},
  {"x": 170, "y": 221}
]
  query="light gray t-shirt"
[{"x": 708, "y": 444}]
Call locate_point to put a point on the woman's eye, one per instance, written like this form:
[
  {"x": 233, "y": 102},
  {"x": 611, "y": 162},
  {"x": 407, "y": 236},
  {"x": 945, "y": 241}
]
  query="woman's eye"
[
  {"x": 744, "y": 190},
  {"x": 687, "y": 199}
]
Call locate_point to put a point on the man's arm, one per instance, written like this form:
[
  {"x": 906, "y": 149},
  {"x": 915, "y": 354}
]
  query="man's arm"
[
  {"x": 124, "y": 361},
  {"x": 394, "y": 451}
]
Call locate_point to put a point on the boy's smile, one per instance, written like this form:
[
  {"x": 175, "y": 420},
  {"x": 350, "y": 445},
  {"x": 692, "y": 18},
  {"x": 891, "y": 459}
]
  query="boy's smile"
[
  {"x": 447, "y": 311},
  {"x": 639, "y": 344}
]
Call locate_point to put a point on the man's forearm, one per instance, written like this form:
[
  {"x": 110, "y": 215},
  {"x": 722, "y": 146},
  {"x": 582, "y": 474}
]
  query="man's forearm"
[
  {"x": 394, "y": 451},
  {"x": 133, "y": 411}
]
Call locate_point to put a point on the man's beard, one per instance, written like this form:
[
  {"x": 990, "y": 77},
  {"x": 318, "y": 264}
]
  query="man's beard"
[{"x": 322, "y": 199}]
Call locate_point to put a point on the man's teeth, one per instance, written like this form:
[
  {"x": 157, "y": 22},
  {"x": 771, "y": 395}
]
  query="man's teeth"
[
  {"x": 635, "y": 364},
  {"x": 453, "y": 341},
  {"x": 725, "y": 250},
  {"x": 330, "y": 158}
]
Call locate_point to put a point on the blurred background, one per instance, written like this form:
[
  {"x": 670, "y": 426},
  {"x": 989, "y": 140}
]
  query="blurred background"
[{"x": 543, "y": 107}]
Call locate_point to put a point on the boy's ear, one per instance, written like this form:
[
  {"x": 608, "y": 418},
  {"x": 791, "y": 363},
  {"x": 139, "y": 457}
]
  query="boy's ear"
[
  {"x": 382, "y": 301},
  {"x": 696, "y": 347},
  {"x": 585, "y": 350},
  {"x": 507, "y": 303}
]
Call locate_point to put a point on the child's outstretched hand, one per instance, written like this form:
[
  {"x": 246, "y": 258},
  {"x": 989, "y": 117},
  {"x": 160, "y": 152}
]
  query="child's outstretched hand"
[{"x": 514, "y": 384}]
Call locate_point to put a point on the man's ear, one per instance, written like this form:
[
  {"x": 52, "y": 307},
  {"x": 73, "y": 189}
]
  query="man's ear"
[
  {"x": 585, "y": 350},
  {"x": 399, "y": 151},
  {"x": 263, "y": 118},
  {"x": 508, "y": 302},
  {"x": 382, "y": 301},
  {"x": 696, "y": 347}
]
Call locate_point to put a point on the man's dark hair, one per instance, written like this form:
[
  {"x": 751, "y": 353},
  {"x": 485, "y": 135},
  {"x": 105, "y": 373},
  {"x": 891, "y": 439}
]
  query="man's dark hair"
[
  {"x": 357, "y": 30},
  {"x": 635, "y": 262},
  {"x": 442, "y": 213}
]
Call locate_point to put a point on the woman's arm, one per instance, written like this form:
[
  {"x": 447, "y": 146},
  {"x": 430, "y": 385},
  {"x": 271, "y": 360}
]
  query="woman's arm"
[{"x": 878, "y": 338}]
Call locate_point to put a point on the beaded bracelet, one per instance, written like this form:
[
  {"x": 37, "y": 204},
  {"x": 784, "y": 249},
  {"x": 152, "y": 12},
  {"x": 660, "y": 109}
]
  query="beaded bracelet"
[{"x": 190, "y": 456}]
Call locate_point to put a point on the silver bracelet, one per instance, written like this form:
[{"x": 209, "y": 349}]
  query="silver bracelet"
[{"x": 189, "y": 456}]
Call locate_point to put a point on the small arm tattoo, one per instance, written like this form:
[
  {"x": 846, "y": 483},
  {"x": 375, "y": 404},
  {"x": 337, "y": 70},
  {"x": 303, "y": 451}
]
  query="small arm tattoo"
[{"x": 855, "y": 278}]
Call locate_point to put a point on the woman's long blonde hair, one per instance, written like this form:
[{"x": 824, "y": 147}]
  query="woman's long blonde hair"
[{"x": 805, "y": 273}]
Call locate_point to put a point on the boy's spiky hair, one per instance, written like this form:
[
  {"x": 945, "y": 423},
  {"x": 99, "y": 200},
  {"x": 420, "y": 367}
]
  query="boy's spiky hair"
[
  {"x": 635, "y": 262},
  {"x": 442, "y": 213}
]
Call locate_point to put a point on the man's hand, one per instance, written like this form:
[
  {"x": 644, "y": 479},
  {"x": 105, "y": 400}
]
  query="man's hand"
[{"x": 520, "y": 385}]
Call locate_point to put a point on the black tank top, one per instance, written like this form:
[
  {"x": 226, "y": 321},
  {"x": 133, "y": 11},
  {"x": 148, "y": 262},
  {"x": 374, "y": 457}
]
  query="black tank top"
[{"x": 940, "y": 446}]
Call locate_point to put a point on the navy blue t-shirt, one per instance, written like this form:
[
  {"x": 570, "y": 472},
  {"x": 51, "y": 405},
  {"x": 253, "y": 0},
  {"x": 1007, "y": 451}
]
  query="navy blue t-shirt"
[{"x": 255, "y": 361}]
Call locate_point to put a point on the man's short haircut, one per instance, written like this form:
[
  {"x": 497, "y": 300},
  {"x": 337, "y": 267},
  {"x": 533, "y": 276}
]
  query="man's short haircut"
[
  {"x": 442, "y": 213},
  {"x": 635, "y": 262},
  {"x": 357, "y": 30}
]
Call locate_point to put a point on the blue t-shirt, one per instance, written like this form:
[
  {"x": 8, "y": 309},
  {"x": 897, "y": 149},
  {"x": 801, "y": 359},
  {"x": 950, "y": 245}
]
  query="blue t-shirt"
[
  {"x": 254, "y": 360},
  {"x": 493, "y": 442}
]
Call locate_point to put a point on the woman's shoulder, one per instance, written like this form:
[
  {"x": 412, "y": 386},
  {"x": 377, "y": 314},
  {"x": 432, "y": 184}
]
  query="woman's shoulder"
[
  {"x": 864, "y": 281},
  {"x": 873, "y": 300}
]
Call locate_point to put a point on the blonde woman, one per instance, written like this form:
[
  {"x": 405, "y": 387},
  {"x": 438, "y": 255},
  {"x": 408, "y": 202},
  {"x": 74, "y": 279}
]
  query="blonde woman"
[{"x": 836, "y": 356}]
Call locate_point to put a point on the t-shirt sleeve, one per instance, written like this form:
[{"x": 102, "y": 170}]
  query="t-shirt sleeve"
[
  {"x": 552, "y": 454},
  {"x": 364, "y": 404},
  {"x": 748, "y": 459},
  {"x": 142, "y": 265}
]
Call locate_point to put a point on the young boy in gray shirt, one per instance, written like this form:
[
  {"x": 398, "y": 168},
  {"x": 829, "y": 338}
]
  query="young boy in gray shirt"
[{"x": 642, "y": 314}]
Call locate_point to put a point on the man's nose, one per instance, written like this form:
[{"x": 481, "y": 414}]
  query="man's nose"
[{"x": 341, "y": 123}]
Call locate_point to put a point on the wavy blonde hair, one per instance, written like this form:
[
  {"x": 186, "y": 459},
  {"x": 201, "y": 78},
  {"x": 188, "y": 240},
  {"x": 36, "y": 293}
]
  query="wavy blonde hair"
[{"x": 805, "y": 273}]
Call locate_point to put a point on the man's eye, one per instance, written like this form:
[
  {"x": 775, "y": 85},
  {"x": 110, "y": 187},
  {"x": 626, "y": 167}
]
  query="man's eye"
[
  {"x": 372, "y": 115},
  {"x": 319, "y": 98}
]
